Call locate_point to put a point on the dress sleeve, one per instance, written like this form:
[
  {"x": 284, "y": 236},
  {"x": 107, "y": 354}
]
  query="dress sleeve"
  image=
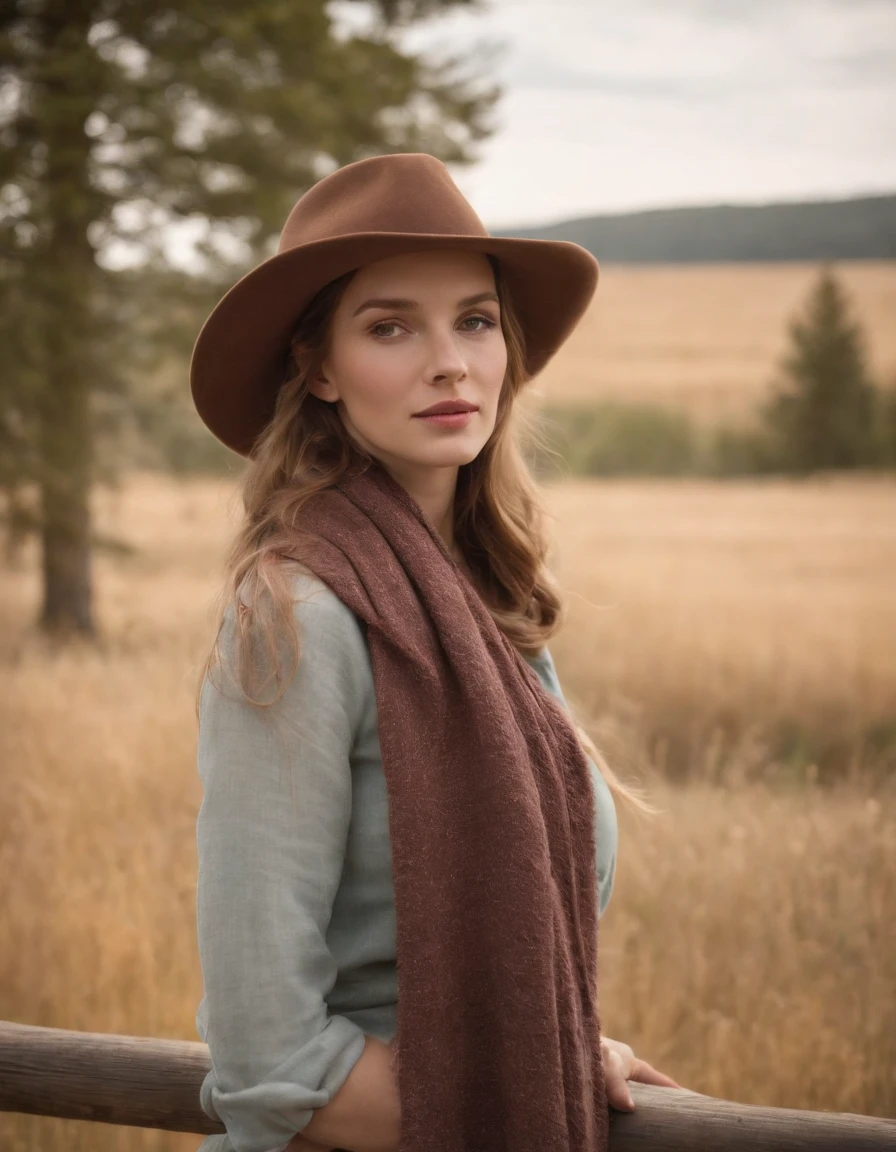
[
  {"x": 271, "y": 837},
  {"x": 606, "y": 826}
]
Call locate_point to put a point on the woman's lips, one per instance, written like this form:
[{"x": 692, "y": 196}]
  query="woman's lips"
[{"x": 448, "y": 419}]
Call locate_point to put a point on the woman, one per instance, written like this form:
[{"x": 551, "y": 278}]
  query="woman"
[{"x": 403, "y": 845}]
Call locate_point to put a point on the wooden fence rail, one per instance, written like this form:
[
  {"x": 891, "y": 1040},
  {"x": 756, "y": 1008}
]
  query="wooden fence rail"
[{"x": 147, "y": 1083}]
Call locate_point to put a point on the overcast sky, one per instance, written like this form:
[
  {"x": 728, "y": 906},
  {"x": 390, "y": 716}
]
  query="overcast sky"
[
  {"x": 645, "y": 103},
  {"x": 616, "y": 106}
]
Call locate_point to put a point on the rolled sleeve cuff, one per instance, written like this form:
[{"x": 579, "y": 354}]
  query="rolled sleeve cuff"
[{"x": 266, "y": 1114}]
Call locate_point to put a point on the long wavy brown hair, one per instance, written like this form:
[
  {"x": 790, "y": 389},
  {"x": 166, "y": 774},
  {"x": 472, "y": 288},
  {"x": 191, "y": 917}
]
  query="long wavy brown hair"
[{"x": 499, "y": 523}]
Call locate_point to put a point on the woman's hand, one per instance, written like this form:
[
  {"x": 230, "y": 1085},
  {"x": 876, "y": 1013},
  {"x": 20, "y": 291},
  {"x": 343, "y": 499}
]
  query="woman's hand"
[{"x": 622, "y": 1065}]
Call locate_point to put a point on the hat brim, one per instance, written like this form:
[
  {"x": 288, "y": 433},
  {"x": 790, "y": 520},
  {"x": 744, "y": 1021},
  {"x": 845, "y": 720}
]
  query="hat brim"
[{"x": 239, "y": 358}]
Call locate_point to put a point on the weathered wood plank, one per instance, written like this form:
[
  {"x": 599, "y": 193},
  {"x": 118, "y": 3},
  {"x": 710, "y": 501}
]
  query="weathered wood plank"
[
  {"x": 674, "y": 1120},
  {"x": 132, "y": 1080},
  {"x": 147, "y": 1083}
]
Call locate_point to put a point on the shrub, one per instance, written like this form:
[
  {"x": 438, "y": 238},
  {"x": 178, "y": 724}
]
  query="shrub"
[{"x": 611, "y": 439}]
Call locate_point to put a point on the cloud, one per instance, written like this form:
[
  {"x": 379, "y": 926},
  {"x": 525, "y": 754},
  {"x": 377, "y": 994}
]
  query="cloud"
[
  {"x": 534, "y": 72},
  {"x": 743, "y": 13},
  {"x": 868, "y": 66},
  {"x": 610, "y": 107}
]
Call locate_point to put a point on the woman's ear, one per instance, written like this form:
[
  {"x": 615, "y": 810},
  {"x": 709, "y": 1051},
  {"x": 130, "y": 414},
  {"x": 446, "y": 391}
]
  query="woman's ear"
[{"x": 322, "y": 387}]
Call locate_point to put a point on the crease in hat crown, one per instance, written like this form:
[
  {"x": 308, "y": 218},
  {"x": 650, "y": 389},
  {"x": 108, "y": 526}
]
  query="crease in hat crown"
[{"x": 372, "y": 196}]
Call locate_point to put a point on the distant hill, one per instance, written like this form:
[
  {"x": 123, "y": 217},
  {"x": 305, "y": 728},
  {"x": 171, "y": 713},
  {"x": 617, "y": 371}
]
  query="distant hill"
[{"x": 863, "y": 228}]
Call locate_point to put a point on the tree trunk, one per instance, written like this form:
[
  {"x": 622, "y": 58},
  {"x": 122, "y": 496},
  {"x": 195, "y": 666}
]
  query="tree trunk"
[
  {"x": 65, "y": 500},
  {"x": 65, "y": 280}
]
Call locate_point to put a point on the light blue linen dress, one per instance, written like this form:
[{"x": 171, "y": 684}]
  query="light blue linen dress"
[{"x": 295, "y": 899}]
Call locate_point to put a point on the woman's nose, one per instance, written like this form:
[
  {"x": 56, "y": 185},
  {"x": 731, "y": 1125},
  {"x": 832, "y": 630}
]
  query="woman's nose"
[{"x": 446, "y": 359}]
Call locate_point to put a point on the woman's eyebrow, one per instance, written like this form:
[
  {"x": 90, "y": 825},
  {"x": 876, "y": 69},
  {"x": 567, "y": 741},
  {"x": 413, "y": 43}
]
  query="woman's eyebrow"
[{"x": 410, "y": 305}]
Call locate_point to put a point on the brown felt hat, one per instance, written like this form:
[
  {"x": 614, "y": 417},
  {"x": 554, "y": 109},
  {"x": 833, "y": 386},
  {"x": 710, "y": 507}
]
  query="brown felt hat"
[{"x": 366, "y": 211}]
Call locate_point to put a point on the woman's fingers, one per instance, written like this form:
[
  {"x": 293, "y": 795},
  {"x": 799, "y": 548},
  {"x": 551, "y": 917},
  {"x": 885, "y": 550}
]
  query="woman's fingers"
[
  {"x": 620, "y": 1066},
  {"x": 645, "y": 1073},
  {"x": 618, "y": 1094},
  {"x": 624, "y": 1050}
]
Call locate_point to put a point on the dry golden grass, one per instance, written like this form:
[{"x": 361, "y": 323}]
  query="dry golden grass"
[
  {"x": 749, "y": 948},
  {"x": 706, "y": 338},
  {"x": 705, "y": 619}
]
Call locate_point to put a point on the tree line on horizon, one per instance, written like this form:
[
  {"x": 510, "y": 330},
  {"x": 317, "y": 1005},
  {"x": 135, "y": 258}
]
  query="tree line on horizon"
[{"x": 858, "y": 228}]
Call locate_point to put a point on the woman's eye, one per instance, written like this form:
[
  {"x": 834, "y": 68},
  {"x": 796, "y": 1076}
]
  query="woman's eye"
[
  {"x": 478, "y": 320},
  {"x": 376, "y": 328},
  {"x": 386, "y": 329}
]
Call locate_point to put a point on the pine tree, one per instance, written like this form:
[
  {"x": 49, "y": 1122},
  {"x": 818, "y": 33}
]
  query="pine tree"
[
  {"x": 822, "y": 413},
  {"x": 117, "y": 116}
]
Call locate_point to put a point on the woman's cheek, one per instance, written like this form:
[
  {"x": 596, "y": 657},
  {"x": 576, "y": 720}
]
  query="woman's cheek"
[{"x": 495, "y": 368}]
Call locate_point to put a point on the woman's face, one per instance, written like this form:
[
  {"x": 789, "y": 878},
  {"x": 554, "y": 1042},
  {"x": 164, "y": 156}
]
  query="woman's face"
[{"x": 408, "y": 332}]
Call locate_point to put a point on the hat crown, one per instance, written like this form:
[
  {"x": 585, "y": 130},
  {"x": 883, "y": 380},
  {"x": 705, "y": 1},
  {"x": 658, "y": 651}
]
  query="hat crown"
[{"x": 402, "y": 192}]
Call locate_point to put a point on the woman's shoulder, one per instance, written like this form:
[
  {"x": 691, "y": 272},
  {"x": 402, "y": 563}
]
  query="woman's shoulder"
[
  {"x": 319, "y": 610},
  {"x": 314, "y": 603},
  {"x": 325, "y": 662},
  {"x": 306, "y": 588},
  {"x": 331, "y": 639}
]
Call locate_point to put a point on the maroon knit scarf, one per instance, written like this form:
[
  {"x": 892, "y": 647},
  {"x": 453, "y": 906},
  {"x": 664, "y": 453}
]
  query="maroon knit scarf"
[{"x": 491, "y": 818}]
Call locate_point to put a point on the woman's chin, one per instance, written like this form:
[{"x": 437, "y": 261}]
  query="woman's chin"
[
  {"x": 457, "y": 456},
  {"x": 442, "y": 455}
]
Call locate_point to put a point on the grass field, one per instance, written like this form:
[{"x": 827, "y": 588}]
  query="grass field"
[
  {"x": 706, "y": 338},
  {"x": 749, "y": 949}
]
